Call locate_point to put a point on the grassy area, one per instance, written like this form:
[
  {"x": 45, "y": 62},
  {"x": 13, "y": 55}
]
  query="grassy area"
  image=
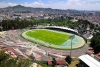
[
  {"x": 48, "y": 36},
  {"x": 74, "y": 20},
  {"x": 73, "y": 63}
]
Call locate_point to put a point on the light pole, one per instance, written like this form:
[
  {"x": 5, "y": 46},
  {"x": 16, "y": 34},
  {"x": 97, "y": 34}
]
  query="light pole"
[{"x": 71, "y": 37}]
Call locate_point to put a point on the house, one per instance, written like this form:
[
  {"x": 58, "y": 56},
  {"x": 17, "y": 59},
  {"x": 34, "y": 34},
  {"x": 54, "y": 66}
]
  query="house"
[
  {"x": 58, "y": 63},
  {"x": 97, "y": 56}
]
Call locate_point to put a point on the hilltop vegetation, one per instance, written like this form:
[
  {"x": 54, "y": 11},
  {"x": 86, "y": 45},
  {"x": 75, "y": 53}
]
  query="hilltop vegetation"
[
  {"x": 7, "y": 61},
  {"x": 80, "y": 25}
]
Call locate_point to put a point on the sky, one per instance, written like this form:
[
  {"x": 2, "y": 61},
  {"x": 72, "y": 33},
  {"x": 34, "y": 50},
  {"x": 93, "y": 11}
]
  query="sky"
[{"x": 54, "y": 4}]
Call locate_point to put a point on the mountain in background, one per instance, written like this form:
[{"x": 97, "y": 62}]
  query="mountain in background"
[
  {"x": 19, "y": 6},
  {"x": 23, "y": 9}
]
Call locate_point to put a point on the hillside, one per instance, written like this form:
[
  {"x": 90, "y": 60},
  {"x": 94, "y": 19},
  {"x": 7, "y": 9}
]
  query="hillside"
[{"x": 23, "y": 9}]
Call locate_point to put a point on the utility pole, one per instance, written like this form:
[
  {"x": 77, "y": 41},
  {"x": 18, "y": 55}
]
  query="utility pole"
[{"x": 71, "y": 38}]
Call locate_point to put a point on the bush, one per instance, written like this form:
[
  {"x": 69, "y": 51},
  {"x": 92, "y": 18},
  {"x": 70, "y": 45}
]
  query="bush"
[
  {"x": 79, "y": 65},
  {"x": 68, "y": 59}
]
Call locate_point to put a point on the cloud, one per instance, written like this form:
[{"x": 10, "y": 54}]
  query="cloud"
[
  {"x": 12, "y": 4},
  {"x": 69, "y": 4},
  {"x": 5, "y": 4},
  {"x": 34, "y": 4},
  {"x": 84, "y": 4},
  {"x": 91, "y": 0}
]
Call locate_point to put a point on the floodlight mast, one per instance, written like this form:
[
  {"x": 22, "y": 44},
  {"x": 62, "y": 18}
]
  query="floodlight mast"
[{"x": 71, "y": 38}]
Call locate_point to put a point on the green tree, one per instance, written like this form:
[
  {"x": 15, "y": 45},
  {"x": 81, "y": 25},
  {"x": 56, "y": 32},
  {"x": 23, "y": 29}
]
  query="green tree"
[
  {"x": 95, "y": 42},
  {"x": 6, "y": 61},
  {"x": 79, "y": 65},
  {"x": 23, "y": 63},
  {"x": 3, "y": 56},
  {"x": 68, "y": 59}
]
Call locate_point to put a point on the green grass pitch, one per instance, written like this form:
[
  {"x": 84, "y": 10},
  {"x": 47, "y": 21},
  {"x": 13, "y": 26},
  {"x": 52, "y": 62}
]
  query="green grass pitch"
[{"x": 49, "y": 36}]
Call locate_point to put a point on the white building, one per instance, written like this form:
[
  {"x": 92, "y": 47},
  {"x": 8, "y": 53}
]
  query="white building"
[{"x": 88, "y": 61}]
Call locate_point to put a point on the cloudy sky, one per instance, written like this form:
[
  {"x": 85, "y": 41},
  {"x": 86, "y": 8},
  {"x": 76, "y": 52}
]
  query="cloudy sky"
[{"x": 55, "y": 4}]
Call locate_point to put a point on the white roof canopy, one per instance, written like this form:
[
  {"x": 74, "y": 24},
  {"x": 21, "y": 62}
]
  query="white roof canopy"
[
  {"x": 66, "y": 28},
  {"x": 91, "y": 62}
]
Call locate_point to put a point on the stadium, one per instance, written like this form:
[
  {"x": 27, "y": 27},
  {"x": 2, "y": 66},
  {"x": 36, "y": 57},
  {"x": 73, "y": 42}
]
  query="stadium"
[{"x": 55, "y": 37}]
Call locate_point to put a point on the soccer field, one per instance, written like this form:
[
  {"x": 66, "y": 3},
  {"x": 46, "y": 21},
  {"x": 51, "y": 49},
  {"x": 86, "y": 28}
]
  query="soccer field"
[
  {"x": 53, "y": 39},
  {"x": 50, "y": 36}
]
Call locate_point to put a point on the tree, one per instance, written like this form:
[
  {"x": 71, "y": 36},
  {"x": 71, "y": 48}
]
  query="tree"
[
  {"x": 6, "y": 61},
  {"x": 68, "y": 59},
  {"x": 23, "y": 63},
  {"x": 3, "y": 56},
  {"x": 54, "y": 61},
  {"x": 95, "y": 42},
  {"x": 10, "y": 63},
  {"x": 79, "y": 65}
]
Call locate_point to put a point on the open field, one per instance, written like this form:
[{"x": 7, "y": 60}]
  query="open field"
[
  {"x": 49, "y": 36},
  {"x": 74, "y": 63}
]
